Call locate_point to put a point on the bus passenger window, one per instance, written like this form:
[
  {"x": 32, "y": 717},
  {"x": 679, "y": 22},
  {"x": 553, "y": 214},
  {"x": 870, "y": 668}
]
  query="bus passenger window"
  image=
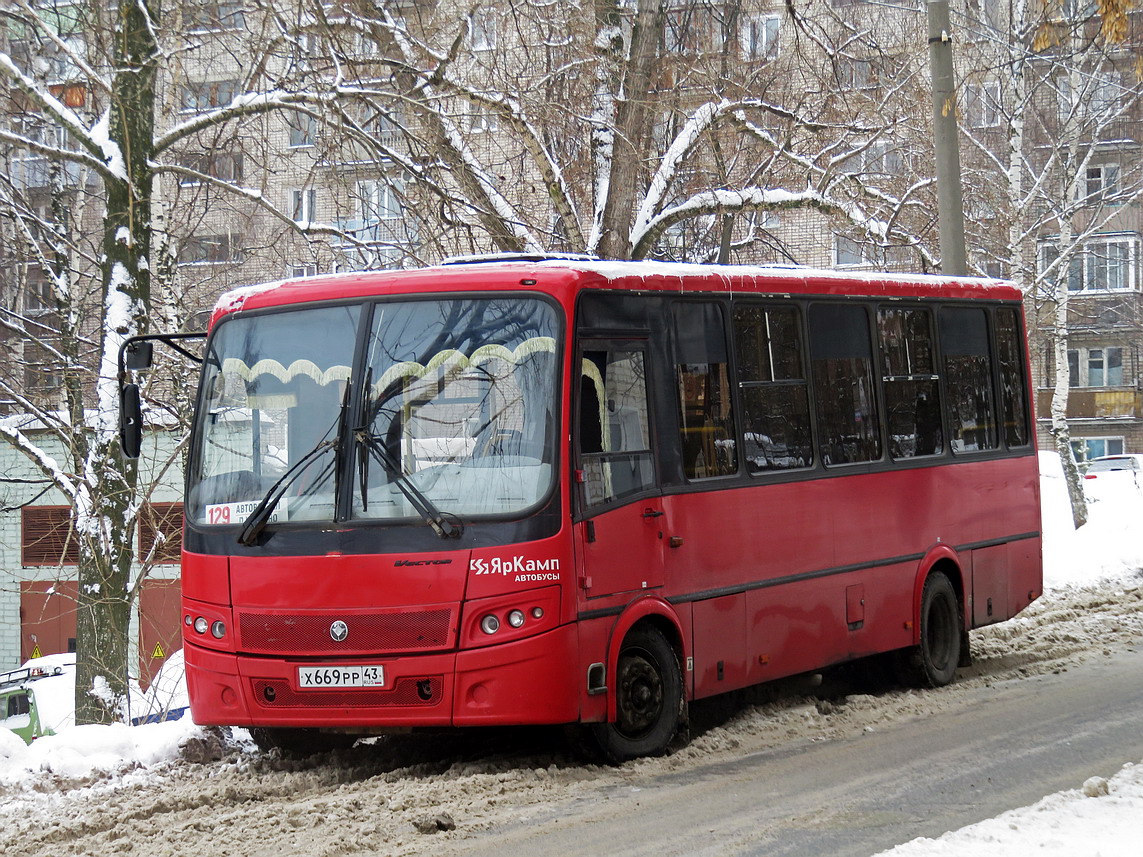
[
  {"x": 775, "y": 398},
  {"x": 912, "y": 392},
  {"x": 614, "y": 431},
  {"x": 968, "y": 373},
  {"x": 841, "y": 361},
  {"x": 706, "y": 420},
  {"x": 1013, "y": 398}
]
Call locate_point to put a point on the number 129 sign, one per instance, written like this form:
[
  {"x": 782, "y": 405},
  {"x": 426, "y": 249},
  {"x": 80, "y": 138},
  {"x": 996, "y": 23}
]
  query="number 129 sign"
[{"x": 236, "y": 513}]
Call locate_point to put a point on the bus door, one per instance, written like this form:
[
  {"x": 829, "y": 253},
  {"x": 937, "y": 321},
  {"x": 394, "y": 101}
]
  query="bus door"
[{"x": 619, "y": 530}]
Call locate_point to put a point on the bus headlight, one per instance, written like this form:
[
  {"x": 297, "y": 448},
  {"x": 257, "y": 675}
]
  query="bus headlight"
[
  {"x": 200, "y": 625},
  {"x": 516, "y": 618},
  {"x": 218, "y": 629}
]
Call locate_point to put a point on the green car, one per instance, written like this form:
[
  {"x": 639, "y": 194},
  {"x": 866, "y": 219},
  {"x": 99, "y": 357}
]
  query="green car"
[{"x": 38, "y": 698}]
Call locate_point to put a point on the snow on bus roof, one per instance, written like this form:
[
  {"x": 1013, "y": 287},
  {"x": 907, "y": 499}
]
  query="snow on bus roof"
[
  {"x": 615, "y": 269},
  {"x": 655, "y": 275}
]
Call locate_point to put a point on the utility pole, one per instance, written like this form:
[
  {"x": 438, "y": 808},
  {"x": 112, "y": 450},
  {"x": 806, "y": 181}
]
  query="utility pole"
[{"x": 950, "y": 209}]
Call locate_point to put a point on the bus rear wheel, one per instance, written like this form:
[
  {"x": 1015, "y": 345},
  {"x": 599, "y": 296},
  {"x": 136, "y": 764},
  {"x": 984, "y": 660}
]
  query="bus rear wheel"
[
  {"x": 648, "y": 699},
  {"x": 933, "y": 663}
]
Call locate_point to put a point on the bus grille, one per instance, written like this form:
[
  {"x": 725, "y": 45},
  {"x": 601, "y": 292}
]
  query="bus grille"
[
  {"x": 309, "y": 634},
  {"x": 406, "y": 691}
]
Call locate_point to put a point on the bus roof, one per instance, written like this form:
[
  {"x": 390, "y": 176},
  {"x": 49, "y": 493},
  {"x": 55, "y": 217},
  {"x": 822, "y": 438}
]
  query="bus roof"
[{"x": 565, "y": 275}]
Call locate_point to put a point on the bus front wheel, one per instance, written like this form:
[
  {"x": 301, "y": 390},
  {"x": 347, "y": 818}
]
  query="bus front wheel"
[
  {"x": 933, "y": 663},
  {"x": 649, "y": 699}
]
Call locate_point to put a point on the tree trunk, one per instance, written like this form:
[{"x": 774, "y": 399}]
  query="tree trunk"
[
  {"x": 627, "y": 167},
  {"x": 105, "y": 513}
]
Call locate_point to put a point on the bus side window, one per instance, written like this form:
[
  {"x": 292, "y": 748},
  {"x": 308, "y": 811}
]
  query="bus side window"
[
  {"x": 841, "y": 361},
  {"x": 706, "y": 418},
  {"x": 775, "y": 395},
  {"x": 968, "y": 373},
  {"x": 1013, "y": 391},
  {"x": 614, "y": 430},
  {"x": 912, "y": 390}
]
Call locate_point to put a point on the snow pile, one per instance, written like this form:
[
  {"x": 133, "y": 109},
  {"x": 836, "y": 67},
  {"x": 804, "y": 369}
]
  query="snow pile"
[
  {"x": 1104, "y": 817},
  {"x": 1108, "y": 546},
  {"x": 81, "y": 753}
]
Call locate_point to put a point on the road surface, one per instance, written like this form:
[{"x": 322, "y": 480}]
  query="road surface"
[{"x": 999, "y": 747}]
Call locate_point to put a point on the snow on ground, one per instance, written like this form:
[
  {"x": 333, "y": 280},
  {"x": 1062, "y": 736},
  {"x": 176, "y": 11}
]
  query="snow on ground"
[
  {"x": 1098, "y": 817},
  {"x": 104, "y": 789}
]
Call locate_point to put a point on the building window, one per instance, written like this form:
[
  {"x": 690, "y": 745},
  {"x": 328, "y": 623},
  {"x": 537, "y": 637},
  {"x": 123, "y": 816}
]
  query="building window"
[
  {"x": 219, "y": 164},
  {"x": 483, "y": 122},
  {"x": 482, "y": 29},
  {"x": 1087, "y": 448},
  {"x": 680, "y": 32},
  {"x": 379, "y": 199},
  {"x": 47, "y": 536},
  {"x": 213, "y": 17},
  {"x": 1107, "y": 94},
  {"x": 758, "y": 37},
  {"x": 39, "y": 296},
  {"x": 880, "y": 158},
  {"x": 1101, "y": 183},
  {"x": 1100, "y": 265},
  {"x": 210, "y": 249},
  {"x": 302, "y": 130},
  {"x": 199, "y": 96},
  {"x": 161, "y": 532},
  {"x": 308, "y": 269},
  {"x": 1096, "y": 367},
  {"x": 851, "y": 253},
  {"x": 982, "y": 104},
  {"x": 303, "y": 202}
]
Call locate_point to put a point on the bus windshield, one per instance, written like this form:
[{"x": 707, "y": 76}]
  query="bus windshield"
[
  {"x": 451, "y": 413},
  {"x": 458, "y": 408}
]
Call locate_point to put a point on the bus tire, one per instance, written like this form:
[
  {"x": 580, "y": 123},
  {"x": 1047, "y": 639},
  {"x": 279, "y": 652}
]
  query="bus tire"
[
  {"x": 933, "y": 662},
  {"x": 649, "y": 699},
  {"x": 300, "y": 742}
]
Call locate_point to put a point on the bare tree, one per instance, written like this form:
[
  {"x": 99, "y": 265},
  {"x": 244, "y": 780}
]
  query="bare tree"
[
  {"x": 112, "y": 115},
  {"x": 1058, "y": 92}
]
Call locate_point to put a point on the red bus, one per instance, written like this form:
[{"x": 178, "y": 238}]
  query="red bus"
[{"x": 569, "y": 491}]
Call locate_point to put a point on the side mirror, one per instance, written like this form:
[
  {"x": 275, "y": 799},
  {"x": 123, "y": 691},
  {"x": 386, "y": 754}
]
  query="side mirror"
[
  {"x": 130, "y": 421},
  {"x": 138, "y": 356}
]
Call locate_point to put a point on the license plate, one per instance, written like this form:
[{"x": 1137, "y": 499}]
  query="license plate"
[{"x": 321, "y": 678}]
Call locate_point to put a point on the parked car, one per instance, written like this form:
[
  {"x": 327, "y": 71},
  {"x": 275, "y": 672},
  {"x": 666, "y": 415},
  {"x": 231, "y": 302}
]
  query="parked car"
[
  {"x": 1110, "y": 463},
  {"x": 38, "y": 699}
]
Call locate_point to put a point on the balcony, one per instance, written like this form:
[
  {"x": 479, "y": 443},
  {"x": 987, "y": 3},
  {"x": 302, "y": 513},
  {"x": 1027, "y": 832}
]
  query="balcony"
[
  {"x": 1105, "y": 403},
  {"x": 36, "y": 173}
]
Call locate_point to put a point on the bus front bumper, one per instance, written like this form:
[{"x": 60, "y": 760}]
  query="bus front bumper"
[{"x": 530, "y": 681}]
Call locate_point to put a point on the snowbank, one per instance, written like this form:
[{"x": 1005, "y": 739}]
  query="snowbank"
[
  {"x": 1104, "y": 818},
  {"x": 1109, "y": 546},
  {"x": 82, "y": 752}
]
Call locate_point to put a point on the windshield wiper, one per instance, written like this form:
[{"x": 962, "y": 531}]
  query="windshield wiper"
[
  {"x": 444, "y": 525},
  {"x": 256, "y": 521}
]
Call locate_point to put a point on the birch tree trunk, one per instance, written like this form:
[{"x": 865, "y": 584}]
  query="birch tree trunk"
[{"x": 106, "y": 512}]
